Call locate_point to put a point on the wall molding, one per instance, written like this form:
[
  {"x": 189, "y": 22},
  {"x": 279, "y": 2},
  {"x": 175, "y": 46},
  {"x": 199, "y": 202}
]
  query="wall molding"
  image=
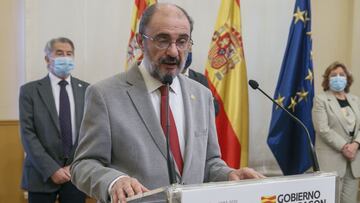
[{"x": 9, "y": 122}]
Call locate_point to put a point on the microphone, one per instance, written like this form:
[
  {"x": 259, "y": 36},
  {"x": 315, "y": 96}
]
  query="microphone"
[
  {"x": 253, "y": 84},
  {"x": 167, "y": 80}
]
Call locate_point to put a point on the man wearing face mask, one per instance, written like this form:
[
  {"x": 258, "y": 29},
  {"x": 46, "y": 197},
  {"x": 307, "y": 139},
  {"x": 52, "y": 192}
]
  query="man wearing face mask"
[
  {"x": 336, "y": 118},
  {"x": 122, "y": 144},
  {"x": 51, "y": 111}
]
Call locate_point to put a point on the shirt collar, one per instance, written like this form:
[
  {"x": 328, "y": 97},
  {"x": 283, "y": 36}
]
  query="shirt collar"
[
  {"x": 55, "y": 80},
  {"x": 153, "y": 84}
]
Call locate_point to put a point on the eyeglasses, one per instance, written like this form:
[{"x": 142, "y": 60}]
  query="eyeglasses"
[{"x": 164, "y": 42}]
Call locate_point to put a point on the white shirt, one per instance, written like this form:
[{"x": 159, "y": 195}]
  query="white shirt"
[
  {"x": 175, "y": 100},
  {"x": 56, "y": 93}
]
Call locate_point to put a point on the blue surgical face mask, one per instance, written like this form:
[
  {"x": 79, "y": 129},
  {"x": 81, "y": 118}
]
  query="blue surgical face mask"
[
  {"x": 62, "y": 66},
  {"x": 337, "y": 83}
]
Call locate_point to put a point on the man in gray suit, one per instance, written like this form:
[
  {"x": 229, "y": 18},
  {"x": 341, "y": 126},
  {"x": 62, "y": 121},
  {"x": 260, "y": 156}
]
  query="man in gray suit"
[
  {"x": 122, "y": 146},
  {"x": 51, "y": 111}
]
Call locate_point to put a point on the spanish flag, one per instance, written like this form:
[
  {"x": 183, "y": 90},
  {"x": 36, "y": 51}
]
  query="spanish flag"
[
  {"x": 226, "y": 72},
  {"x": 134, "y": 52}
]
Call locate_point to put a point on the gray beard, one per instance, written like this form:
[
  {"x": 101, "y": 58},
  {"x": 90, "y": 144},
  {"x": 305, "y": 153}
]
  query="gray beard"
[{"x": 155, "y": 71}]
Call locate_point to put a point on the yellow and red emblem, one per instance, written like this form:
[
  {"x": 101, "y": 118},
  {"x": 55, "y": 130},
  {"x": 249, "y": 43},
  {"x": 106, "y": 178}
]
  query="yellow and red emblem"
[{"x": 268, "y": 199}]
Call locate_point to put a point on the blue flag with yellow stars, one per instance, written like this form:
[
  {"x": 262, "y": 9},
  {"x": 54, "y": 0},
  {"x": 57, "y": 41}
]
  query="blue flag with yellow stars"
[{"x": 294, "y": 91}]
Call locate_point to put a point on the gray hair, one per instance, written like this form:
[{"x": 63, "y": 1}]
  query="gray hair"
[
  {"x": 50, "y": 44},
  {"x": 149, "y": 12}
]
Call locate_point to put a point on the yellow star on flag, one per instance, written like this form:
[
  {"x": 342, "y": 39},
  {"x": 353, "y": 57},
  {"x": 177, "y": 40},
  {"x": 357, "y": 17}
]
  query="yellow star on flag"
[
  {"x": 299, "y": 15},
  {"x": 292, "y": 104},
  {"x": 302, "y": 95},
  {"x": 279, "y": 101},
  {"x": 310, "y": 76}
]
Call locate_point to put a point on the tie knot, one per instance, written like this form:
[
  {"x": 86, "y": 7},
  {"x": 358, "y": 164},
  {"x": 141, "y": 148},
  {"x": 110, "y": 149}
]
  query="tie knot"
[
  {"x": 163, "y": 91},
  {"x": 63, "y": 83}
]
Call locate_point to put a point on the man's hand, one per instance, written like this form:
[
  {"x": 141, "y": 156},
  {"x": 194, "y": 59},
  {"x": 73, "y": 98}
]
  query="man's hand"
[
  {"x": 126, "y": 187},
  {"x": 67, "y": 169},
  {"x": 350, "y": 150},
  {"x": 61, "y": 176},
  {"x": 245, "y": 173}
]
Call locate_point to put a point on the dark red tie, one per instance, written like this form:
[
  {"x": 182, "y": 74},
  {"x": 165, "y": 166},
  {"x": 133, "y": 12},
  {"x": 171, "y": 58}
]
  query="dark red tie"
[{"x": 174, "y": 139}]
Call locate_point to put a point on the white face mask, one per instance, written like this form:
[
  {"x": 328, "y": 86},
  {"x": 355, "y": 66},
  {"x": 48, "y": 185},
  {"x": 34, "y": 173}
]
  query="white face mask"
[{"x": 337, "y": 83}]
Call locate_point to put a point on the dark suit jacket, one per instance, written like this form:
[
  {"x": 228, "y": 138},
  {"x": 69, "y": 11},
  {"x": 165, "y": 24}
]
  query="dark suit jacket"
[
  {"x": 203, "y": 80},
  {"x": 40, "y": 132}
]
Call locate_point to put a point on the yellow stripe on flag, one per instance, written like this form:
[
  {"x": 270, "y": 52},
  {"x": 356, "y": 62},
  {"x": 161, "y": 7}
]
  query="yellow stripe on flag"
[{"x": 226, "y": 72}]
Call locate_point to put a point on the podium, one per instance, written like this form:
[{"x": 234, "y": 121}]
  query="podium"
[{"x": 316, "y": 187}]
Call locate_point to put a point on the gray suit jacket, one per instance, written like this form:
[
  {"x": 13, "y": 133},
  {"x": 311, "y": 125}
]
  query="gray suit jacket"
[
  {"x": 40, "y": 132},
  {"x": 331, "y": 134},
  {"x": 121, "y": 135}
]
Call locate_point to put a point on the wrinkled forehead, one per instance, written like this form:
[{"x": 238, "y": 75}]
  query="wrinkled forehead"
[{"x": 169, "y": 19}]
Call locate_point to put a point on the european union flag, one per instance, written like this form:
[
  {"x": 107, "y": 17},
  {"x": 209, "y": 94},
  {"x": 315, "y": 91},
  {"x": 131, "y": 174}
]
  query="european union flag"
[{"x": 295, "y": 91}]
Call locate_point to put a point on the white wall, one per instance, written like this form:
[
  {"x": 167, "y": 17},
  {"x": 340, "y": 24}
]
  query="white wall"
[
  {"x": 355, "y": 58},
  {"x": 266, "y": 25},
  {"x": 100, "y": 30},
  {"x": 11, "y": 56},
  {"x": 332, "y": 35}
]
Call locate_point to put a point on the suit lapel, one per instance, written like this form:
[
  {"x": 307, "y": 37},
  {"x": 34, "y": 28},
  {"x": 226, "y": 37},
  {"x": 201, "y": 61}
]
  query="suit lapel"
[
  {"x": 354, "y": 106},
  {"x": 46, "y": 95},
  {"x": 78, "y": 91},
  {"x": 78, "y": 88},
  {"x": 144, "y": 107},
  {"x": 334, "y": 104},
  {"x": 187, "y": 99}
]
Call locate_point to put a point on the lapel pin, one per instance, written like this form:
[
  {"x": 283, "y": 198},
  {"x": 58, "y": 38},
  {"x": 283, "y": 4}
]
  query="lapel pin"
[
  {"x": 193, "y": 97},
  {"x": 80, "y": 85}
]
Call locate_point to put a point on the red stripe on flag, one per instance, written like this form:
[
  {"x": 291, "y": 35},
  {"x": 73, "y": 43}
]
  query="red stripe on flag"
[
  {"x": 228, "y": 141},
  {"x": 132, "y": 34},
  {"x": 141, "y": 6}
]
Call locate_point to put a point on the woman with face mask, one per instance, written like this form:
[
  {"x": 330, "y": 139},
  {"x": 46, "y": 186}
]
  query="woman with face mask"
[{"x": 336, "y": 118}]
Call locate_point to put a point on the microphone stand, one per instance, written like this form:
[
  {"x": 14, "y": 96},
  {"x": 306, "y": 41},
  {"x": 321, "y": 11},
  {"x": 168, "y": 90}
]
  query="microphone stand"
[{"x": 316, "y": 167}]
